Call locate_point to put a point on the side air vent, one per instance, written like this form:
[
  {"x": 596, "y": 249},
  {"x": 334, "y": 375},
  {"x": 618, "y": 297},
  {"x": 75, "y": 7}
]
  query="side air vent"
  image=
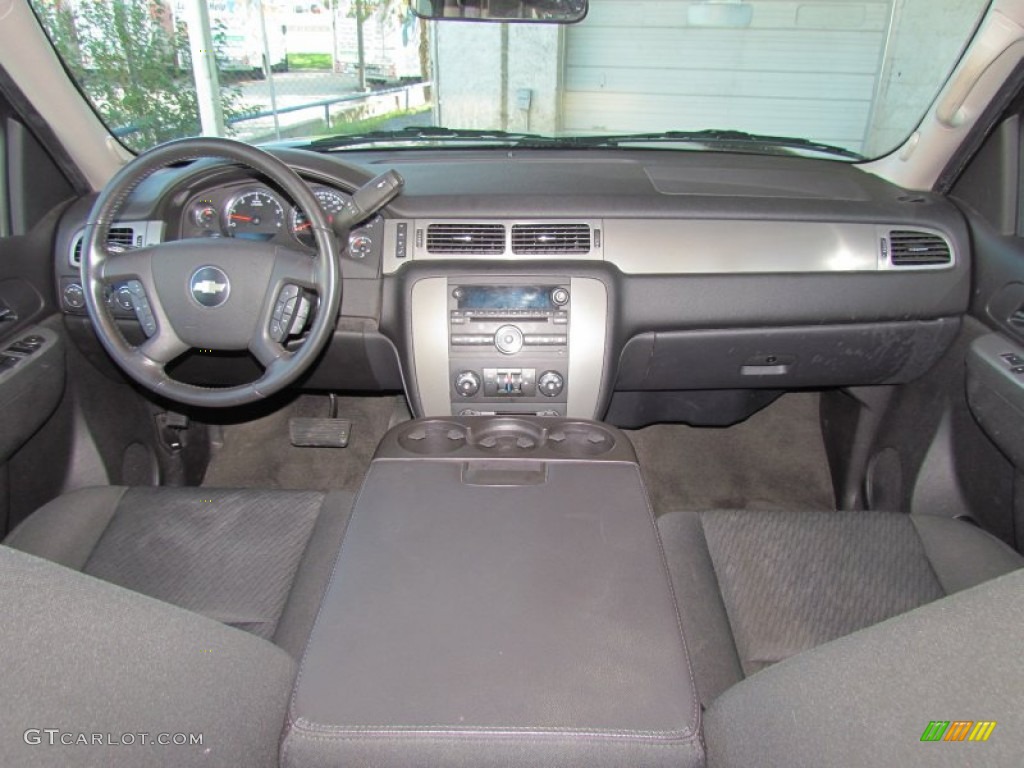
[
  {"x": 909, "y": 248},
  {"x": 123, "y": 237},
  {"x": 466, "y": 238},
  {"x": 120, "y": 238},
  {"x": 550, "y": 238}
]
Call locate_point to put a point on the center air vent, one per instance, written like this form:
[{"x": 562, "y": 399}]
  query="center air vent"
[
  {"x": 909, "y": 248},
  {"x": 550, "y": 238},
  {"x": 466, "y": 238}
]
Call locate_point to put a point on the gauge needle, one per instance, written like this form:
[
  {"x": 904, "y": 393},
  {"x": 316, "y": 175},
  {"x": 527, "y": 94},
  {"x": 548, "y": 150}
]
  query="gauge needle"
[
  {"x": 305, "y": 225},
  {"x": 239, "y": 217}
]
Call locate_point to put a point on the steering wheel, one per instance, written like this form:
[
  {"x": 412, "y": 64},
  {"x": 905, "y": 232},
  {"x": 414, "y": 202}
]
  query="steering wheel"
[{"x": 211, "y": 293}]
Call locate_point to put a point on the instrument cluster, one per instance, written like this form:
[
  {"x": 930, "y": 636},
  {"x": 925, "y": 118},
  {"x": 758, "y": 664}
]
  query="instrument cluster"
[{"x": 257, "y": 212}]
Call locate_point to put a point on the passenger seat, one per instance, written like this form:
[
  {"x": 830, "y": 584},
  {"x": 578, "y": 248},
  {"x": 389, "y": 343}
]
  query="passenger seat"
[
  {"x": 912, "y": 691},
  {"x": 755, "y": 588}
]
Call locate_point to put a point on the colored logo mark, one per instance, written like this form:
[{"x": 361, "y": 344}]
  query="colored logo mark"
[{"x": 958, "y": 730}]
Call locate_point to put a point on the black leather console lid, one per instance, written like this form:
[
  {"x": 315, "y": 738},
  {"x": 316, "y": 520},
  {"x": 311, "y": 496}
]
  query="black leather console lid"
[{"x": 482, "y": 625}]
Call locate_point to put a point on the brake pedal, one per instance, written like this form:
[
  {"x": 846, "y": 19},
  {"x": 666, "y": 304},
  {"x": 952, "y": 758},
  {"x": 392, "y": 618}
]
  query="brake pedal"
[{"x": 319, "y": 433}]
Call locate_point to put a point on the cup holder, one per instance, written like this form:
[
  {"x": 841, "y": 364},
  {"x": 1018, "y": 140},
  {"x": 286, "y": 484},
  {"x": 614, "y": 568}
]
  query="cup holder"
[
  {"x": 580, "y": 440},
  {"x": 433, "y": 438},
  {"x": 507, "y": 437}
]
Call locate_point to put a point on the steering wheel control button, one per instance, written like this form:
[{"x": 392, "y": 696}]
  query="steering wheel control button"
[
  {"x": 508, "y": 339},
  {"x": 285, "y": 319},
  {"x": 551, "y": 384},
  {"x": 467, "y": 383},
  {"x": 301, "y": 316},
  {"x": 123, "y": 299},
  {"x": 140, "y": 304},
  {"x": 209, "y": 286}
]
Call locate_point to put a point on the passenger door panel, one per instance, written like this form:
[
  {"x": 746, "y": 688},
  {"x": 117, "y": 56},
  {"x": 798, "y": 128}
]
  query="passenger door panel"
[{"x": 989, "y": 193}]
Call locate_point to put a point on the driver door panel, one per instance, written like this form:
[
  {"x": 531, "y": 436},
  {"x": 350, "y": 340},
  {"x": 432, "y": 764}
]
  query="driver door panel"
[{"x": 32, "y": 338}]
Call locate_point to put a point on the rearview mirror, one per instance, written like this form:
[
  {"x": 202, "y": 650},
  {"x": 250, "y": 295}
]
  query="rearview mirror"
[{"x": 551, "y": 11}]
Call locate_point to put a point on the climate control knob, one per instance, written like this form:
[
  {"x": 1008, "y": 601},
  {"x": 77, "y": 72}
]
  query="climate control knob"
[
  {"x": 467, "y": 383},
  {"x": 551, "y": 383}
]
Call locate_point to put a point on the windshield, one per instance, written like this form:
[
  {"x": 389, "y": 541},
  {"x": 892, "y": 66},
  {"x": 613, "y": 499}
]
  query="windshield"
[{"x": 832, "y": 78}]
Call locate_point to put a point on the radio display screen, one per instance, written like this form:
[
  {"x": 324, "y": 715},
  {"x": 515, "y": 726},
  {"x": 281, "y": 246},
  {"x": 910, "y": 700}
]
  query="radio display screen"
[{"x": 505, "y": 297}]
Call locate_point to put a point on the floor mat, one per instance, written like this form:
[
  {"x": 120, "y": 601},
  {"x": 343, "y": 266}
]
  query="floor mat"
[
  {"x": 773, "y": 460},
  {"x": 259, "y": 454}
]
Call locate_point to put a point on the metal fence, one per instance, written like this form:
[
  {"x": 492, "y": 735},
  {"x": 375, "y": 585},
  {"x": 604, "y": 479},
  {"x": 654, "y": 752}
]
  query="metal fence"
[{"x": 312, "y": 68}]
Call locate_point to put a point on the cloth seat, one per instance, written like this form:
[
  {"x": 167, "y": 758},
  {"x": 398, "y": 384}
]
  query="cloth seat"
[
  {"x": 886, "y": 694},
  {"x": 755, "y": 588},
  {"x": 258, "y": 560},
  {"x": 97, "y": 675}
]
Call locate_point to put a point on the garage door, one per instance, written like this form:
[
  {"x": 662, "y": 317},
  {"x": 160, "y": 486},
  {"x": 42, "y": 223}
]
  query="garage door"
[{"x": 800, "y": 69}]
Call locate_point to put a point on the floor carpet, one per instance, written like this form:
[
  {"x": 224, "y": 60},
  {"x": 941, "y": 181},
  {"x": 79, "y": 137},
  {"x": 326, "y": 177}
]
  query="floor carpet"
[
  {"x": 773, "y": 460},
  {"x": 259, "y": 454}
]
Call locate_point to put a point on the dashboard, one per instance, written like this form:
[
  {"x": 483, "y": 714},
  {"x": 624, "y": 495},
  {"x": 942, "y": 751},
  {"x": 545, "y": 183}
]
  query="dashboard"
[{"x": 634, "y": 286}]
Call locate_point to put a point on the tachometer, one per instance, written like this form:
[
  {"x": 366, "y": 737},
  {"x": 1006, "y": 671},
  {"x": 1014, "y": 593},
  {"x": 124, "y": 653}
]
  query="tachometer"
[
  {"x": 255, "y": 215},
  {"x": 331, "y": 202}
]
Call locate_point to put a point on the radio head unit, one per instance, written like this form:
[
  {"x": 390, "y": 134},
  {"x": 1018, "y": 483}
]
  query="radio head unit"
[{"x": 508, "y": 346}]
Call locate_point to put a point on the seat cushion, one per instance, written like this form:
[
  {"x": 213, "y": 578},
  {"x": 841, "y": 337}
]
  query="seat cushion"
[
  {"x": 247, "y": 558},
  {"x": 870, "y": 697},
  {"x": 758, "y": 587},
  {"x": 91, "y": 660}
]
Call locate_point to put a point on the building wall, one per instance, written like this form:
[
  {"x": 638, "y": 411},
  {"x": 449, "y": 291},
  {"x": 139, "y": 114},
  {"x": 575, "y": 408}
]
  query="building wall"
[
  {"x": 803, "y": 68},
  {"x": 482, "y": 69}
]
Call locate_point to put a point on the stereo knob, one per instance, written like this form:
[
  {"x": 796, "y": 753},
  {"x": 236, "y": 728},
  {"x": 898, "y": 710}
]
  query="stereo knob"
[
  {"x": 508, "y": 339},
  {"x": 551, "y": 383},
  {"x": 467, "y": 383},
  {"x": 559, "y": 297}
]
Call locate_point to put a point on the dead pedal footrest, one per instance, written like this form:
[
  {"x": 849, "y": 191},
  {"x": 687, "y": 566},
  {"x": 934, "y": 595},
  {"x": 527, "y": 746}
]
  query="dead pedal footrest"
[{"x": 319, "y": 433}]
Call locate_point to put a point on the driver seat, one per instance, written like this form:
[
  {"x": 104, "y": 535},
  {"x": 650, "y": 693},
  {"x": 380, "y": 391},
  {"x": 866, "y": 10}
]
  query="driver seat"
[{"x": 258, "y": 560}]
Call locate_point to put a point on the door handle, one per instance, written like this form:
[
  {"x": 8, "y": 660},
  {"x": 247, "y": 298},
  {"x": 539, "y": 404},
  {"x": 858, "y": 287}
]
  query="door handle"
[{"x": 1017, "y": 318}]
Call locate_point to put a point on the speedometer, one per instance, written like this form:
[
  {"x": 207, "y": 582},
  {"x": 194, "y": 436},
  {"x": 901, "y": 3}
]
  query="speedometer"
[
  {"x": 331, "y": 202},
  {"x": 255, "y": 215}
]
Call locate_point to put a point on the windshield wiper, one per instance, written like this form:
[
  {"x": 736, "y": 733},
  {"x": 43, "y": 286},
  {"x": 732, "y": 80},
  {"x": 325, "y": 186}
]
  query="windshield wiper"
[
  {"x": 423, "y": 133},
  {"x": 711, "y": 137},
  {"x": 721, "y": 139}
]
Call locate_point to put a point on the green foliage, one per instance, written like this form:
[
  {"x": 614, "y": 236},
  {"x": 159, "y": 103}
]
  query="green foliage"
[
  {"x": 134, "y": 66},
  {"x": 361, "y": 10}
]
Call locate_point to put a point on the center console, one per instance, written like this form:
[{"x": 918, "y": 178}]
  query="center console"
[
  {"x": 487, "y": 345},
  {"x": 501, "y": 598}
]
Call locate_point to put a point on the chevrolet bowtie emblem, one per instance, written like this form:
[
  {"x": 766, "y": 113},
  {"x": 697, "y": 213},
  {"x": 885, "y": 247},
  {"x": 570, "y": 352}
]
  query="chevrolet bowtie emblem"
[{"x": 209, "y": 286}]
